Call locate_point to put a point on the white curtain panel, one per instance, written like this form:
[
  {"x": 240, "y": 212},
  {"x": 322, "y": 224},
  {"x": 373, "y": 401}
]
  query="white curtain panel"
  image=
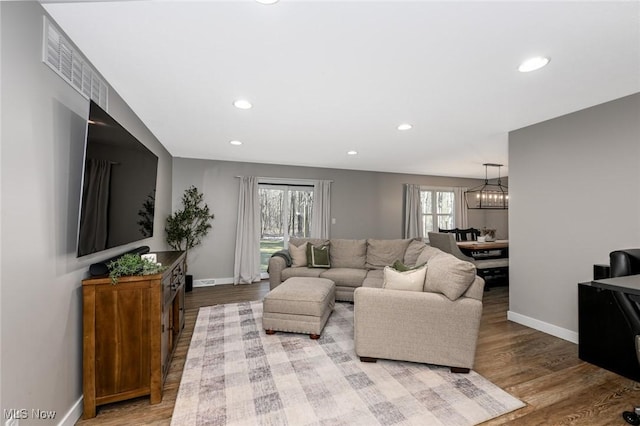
[
  {"x": 461, "y": 213},
  {"x": 412, "y": 212},
  {"x": 246, "y": 269},
  {"x": 321, "y": 214}
]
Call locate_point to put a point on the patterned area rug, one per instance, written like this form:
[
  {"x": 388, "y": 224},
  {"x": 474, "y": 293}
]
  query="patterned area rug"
[{"x": 237, "y": 375}]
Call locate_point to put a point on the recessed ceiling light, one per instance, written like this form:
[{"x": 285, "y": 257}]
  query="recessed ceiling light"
[
  {"x": 235, "y": 143},
  {"x": 352, "y": 152},
  {"x": 267, "y": 1},
  {"x": 242, "y": 104},
  {"x": 533, "y": 64},
  {"x": 405, "y": 126}
]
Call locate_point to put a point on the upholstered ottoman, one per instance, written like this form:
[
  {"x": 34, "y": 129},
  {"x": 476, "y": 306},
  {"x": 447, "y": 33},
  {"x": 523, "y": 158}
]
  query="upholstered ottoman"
[{"x": 299, "y": 305}]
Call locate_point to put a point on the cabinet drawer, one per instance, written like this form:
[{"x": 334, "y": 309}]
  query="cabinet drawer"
[
  {"x": 166, "y": 289},
  {"x": 177, "y": 276},
  {"x": 171, "y": 282}
]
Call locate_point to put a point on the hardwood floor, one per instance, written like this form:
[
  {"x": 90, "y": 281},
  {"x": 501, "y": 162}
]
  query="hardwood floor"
[{"x": 541, "y": 370}]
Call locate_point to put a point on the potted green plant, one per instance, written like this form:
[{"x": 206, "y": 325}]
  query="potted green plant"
[
  {"x": 186, "y": 227},
  {"x": 132, "y": 264}
]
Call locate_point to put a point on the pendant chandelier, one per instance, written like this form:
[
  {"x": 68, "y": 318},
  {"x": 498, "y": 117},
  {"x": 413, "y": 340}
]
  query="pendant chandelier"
[{"x": 488, "y": 195}]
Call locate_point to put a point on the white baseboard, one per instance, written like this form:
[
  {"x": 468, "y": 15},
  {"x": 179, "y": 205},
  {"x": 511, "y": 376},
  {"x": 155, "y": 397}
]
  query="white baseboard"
[
  {"x": 73, "y": 415},
  {"x": 545, "y": 327},
  {"x": 209, "y": 282}
]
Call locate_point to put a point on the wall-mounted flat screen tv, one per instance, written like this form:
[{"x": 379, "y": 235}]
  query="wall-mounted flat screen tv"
[{"x": 118, "y": 188}]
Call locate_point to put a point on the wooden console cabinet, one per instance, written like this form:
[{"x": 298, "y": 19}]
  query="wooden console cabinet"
[{"x": 130, "y": 331}]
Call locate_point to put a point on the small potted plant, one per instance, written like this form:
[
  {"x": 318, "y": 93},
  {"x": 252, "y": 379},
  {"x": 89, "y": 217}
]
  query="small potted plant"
[
  {"x": 188, "y": 226},
  {"x": 132, "y": 264},
  {"x": 489, "y": 234}
]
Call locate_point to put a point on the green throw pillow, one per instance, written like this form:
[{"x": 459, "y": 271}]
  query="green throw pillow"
[
  {"x": 401, "y": 267},
  {"x": 318, "y": 257}
]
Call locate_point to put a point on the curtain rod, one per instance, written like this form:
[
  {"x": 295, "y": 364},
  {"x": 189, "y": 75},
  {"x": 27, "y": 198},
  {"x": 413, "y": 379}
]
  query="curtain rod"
[{"x": 286, "y": 179}]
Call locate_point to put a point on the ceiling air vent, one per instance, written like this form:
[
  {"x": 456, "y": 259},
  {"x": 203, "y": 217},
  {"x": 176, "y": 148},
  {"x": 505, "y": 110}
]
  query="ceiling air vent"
[{"x": 68, "y": 63}]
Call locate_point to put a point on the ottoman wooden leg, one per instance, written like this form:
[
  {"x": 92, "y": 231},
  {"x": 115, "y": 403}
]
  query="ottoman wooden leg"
[
  {"x": 368, "y": 359},
  {"x": 314, "y": 336},
  {"x": 270, "y": 331}
]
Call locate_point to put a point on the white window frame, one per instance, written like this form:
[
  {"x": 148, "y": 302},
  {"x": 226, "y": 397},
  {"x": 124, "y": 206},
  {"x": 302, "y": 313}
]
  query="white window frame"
[
  {"x": 434, "y": 192},
  {"x": 281, "y": 183},
  {"x": 286, "y": 188}
]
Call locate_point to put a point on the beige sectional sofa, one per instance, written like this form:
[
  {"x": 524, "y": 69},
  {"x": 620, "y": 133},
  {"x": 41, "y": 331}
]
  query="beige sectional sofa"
[
  {"x": 435, "y": 323},
  {"x": 425, "y": 327},
  {"x": 354, "y": 263}
]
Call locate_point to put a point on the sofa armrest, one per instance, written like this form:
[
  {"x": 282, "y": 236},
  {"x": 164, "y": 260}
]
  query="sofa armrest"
[
  {"x": 416, "y": 326},
  {"x": 276, "y": 265},
  {"x": 476, "y": 289}
]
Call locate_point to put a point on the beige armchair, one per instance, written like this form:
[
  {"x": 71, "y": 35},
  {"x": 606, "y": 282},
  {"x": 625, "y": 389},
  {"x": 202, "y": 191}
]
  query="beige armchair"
[{"x": 420, "y": 327}]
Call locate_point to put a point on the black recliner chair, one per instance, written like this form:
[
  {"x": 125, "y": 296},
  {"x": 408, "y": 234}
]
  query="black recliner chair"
[{"x": 623, "y": 263}]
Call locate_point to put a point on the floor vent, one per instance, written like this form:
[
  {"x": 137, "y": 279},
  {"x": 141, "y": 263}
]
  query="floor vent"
[
  {"x": 208, "y": 281},
  {"x": 66, "y": 61}
]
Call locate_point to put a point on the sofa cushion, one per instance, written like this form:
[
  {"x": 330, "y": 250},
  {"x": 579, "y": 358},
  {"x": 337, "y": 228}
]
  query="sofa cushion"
[
  {"x": 301, "y": 272},
  {"x": 412, "y": 280},
  {"x": 348, "y": 253},
  {"x": 298, "y": 255},
  {"x": 301, "y": 296},
  {"x": 413, "y": 251},
  {"x": 449, "y": 275},
  {"x": 381, "y": 253},
  {"x": 345, "y": 277},
  {"x": 375, "y": 278},
  {"x": 427, "y": 253},
  {"x": 318, "y": 256},
  {"x": 315, "y": 241}
]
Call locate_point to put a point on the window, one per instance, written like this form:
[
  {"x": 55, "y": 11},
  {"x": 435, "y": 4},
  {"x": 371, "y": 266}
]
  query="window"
[
  {"x": 438, "y": 207},
  {"x": 285, "y": 212}
]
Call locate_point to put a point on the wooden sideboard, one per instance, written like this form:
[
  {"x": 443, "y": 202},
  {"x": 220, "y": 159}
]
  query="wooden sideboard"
[{"x": 130, "y": 331}]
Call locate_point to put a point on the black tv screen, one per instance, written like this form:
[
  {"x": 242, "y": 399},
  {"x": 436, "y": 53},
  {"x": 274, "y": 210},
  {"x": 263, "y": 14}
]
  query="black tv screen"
[{"x": 118, "y": 187}]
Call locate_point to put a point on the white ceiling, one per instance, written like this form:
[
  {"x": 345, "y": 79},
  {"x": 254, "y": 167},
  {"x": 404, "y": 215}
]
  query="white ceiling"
[{"x": 326, "y": 77}]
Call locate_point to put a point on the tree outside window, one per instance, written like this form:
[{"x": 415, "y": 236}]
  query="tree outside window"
[
  {"x": 438, "y": 209},
  {"x": 285, "y": 212}
]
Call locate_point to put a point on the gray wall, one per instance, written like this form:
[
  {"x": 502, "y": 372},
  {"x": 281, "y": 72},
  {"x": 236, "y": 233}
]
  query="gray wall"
[
  {"x": 574, "y": 197},
  {"x": 42, "y": 140},
  {"x": 364, "y": 204}
]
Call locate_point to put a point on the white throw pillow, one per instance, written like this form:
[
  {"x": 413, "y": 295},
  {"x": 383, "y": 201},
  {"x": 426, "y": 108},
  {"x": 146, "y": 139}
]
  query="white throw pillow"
[
  {"x": 298, "y": 255},
  {"x": 412, "y": 280}
]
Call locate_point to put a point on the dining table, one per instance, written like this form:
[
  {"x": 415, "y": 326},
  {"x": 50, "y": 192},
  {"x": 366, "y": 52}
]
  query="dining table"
[{"x": 481, "y": 249}]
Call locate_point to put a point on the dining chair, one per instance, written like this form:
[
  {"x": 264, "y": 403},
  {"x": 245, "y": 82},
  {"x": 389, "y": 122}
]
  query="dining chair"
[
  {"x": 469, "y": 234},
  {"x": 488, "y": 269},
  {"x": 446, "y": 242},
  {"x": 450, "y": 231}
]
